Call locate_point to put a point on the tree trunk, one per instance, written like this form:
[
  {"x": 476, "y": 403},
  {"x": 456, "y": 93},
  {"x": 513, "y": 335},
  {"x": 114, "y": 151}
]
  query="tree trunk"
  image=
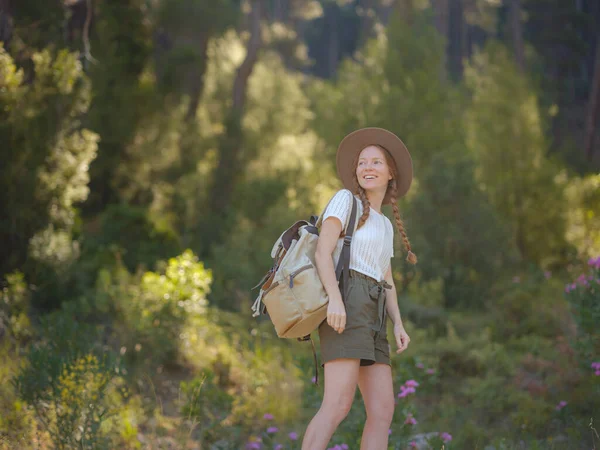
[
  {"x": 516, "y": 29},
  {"x": 228, "y": 168},
  {"x": 367, "y": 22},
  {"x": 6, "y": 22},
  {"x": 440, "y": 8},
  {"x": 197, "y": 79},
  {"x": 593, "y": 106},
  {"x": 456, "y": 38}
]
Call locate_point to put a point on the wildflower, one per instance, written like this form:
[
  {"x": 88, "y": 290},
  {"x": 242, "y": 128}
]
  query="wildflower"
[
  {"x": 430, "y": 371},
  {"x": 411, "y": 383},
  {"x": 596, "y": 365},
  {"x": 547, "y": 274},
  {"x": 293, "y": 436},
  {"x": 413, "y": 444},
  {"x": 406, "y": 391},
  {"x": 314, "y": 380},
  {"x": 410, "y": 420},
  {"x": 446, "y": 437},
  {"x": 268, "y": 416},
  {"x": 278, "y": 447},
  {"x": 253, "y": 445},
  {"x": 389, "y": 431},
  {"x": 272, "y": 430},
  {"x": 419, "y": 365},
  {"x": 561, "y": 405},
  {"x": 594, "y": 262}
]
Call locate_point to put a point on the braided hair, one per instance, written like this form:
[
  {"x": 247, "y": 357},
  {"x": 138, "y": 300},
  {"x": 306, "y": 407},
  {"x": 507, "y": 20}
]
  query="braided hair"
[{"x": 392, "y": 189}]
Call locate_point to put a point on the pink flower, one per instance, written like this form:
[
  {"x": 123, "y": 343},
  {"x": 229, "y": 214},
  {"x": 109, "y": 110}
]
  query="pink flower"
[
  {"x": 293, "y": 436},
  {"x": 406, "y": 391},
  {"x": 389, "y": 431},
  {"x": 430, "y": 371},
  {"x": 268, "y": 416},
  {"x": 561, "y": 405},
  {"x": 272, "y": 430},
  {"x": 596, "y": 365},
  {"x": 413, "y": 444},
  {"x": 410, "y": 420},
  {"x": 594, "y": 262},
  {"x": 278, "y": 447},
  {"x": 314, "y": 380},
  {"x": 446, "y": 437},
  {"x": 253, "y": 445},
  {"x": 547, "y": 274},
  {"x": 411, "y": 383},
  {"x": 419, "y": 365},
  {"x": 597, "y": 372}
]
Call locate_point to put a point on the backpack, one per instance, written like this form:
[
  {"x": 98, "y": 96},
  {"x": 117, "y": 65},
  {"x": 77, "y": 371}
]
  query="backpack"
[{"x": 291, "y": 292}]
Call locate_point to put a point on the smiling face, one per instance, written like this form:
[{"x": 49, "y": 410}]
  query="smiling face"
[{"x": 372, "y": 169}]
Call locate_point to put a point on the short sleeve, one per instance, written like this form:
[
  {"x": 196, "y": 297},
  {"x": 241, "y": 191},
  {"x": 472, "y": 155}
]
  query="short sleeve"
[{"x": 339, "y": 206}]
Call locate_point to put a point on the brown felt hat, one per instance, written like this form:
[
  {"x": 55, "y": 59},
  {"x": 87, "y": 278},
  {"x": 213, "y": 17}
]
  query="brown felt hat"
[{"x": 355, "y": 142}]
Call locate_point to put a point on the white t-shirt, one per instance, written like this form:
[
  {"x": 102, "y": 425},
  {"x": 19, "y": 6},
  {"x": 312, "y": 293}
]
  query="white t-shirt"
[{"x": 372, "y": 245}]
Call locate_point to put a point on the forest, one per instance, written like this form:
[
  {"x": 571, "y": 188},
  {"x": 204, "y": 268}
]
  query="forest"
[{"x": 152, "y": 151}]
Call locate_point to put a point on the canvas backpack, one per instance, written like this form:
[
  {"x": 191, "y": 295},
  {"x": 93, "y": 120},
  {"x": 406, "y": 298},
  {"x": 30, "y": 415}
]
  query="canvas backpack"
[{"x": 291, "y": 292}]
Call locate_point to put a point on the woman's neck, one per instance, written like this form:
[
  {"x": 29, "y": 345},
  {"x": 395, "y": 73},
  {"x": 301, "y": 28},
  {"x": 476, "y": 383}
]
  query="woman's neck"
[{"x": 375, "y": 199}]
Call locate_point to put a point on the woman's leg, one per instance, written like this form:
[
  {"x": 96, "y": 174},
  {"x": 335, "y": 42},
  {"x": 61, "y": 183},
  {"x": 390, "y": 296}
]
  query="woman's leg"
[
  {"x": 341, "y": 377},
  {"x": 376, "y": 388}
]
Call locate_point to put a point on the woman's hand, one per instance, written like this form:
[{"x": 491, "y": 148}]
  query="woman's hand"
[
  {"x": 336, "y": 314},
  {"x": 402, "y": 338}
]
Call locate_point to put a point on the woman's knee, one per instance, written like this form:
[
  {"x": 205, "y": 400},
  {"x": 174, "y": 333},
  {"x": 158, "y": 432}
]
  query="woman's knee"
[
  {"x": 337, "y": 409},
  {"x": 382, "y": 412}
]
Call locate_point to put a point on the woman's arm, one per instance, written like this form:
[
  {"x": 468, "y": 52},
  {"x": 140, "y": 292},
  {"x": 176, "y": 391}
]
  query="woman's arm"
[
  {"x": 391, "y": 303},
  {"x": 328, "y": 237},
  {"x": 393, "y": 311}
]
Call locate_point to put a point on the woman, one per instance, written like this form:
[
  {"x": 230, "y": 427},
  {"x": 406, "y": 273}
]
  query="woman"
[{"x": 374, "y": 165}]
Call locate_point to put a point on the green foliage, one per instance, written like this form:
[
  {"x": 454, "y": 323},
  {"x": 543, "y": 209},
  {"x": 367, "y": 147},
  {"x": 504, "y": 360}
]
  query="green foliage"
[
  {"x": 583, "y": 296},
  {"x": 154, "y": 311},
  {"x": 14, "y": 307},
  {"x": 49, "y": 156},
  {"x": 506, "y": 134},
  {"x": 65, "y": 380},
  {"x": 467, "y": 245},
  {"x": 132, "y": 233},
  {"x": 206, "y": 404}
]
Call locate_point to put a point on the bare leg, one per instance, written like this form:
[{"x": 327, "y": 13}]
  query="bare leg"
[
  {"x": 341, "y": 377},
  {"x": 376, "y": 386}
]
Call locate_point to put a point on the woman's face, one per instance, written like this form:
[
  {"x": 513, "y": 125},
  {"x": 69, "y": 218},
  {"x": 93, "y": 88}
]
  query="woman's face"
[{"x": 372, "y": 170}]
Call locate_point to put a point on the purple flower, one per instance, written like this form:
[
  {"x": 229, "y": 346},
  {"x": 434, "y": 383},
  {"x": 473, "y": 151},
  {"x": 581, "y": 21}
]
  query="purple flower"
[
  {"x": 314, "y": 380},
  {"x": 596, "y": 365},
  {"x": 419, "y": 365},
  {"x": 446, "y": 437},
  {"x": 430, "y": 371},
  {"x": 253, "y": 446},
  {"x": 389, "y": 431},
  {"x": 268, "y": 416},
  {"x": 561, "y": 405},
  {"x": 411, "y": 383},
  {"x": 547, "y": 274},
  {"x": 410, "y": 420},
  {"x": 272, "y": 430},
  {"x": 278, "y": 447},
  {"x": 293, "y": 436}
]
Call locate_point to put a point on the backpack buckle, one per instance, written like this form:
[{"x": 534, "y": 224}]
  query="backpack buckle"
[{"x": 347, "y": 240}]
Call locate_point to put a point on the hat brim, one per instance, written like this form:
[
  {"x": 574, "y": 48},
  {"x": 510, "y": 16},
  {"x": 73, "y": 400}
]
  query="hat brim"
[{"x": 355, "y": 142}]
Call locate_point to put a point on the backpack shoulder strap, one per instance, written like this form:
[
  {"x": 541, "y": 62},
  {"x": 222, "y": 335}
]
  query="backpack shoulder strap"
[{"x": 342, "y": 271}]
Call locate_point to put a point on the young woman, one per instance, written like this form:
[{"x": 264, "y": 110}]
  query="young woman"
[{"x": 375, "y": 166}]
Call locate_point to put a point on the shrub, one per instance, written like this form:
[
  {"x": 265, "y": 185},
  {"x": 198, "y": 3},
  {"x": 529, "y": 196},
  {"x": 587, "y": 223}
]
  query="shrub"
[{"x": 65, "y": 380}]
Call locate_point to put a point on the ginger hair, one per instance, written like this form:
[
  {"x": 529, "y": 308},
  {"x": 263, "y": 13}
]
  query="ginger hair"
[{"x": 392, "y": 190}]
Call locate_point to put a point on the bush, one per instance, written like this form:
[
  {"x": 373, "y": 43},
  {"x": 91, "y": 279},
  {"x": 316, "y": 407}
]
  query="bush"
[
  {"x": 66, "y": 380},
  {"x": 583, "y": 296}
]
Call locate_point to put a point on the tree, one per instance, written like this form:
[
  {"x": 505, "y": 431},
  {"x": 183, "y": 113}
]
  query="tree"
[
  {"x": 506, "y": 133},
  {"x": 231, "y": 144},
  {"x": 6, "y": 22},
  {"x": 45, "y": 171},
  {"x": 593, "y": 107}
]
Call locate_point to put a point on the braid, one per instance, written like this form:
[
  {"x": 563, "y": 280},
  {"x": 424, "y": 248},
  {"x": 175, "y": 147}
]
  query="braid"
[{"x": 411, "y": 257}]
